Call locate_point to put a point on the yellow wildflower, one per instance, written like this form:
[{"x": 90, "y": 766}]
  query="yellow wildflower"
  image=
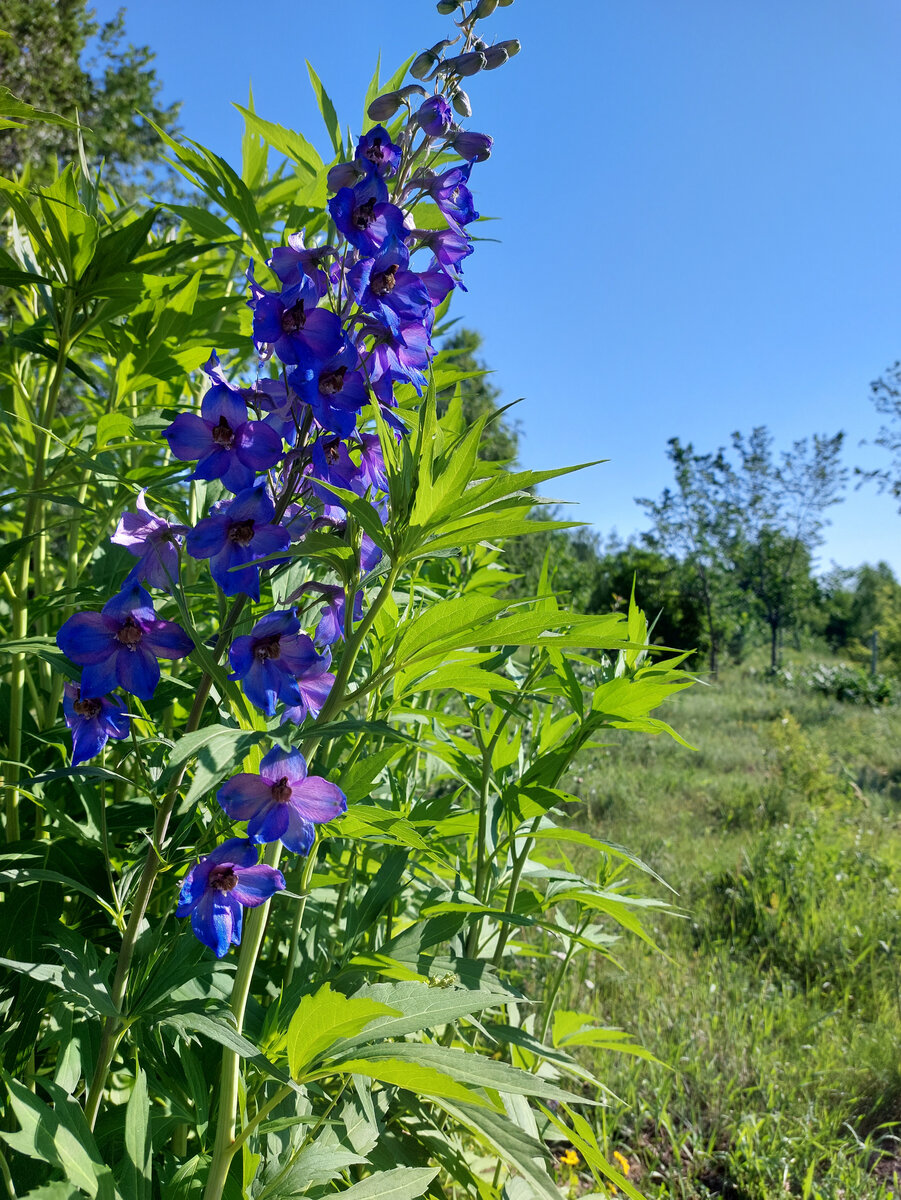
[
  {"x": 622, "y": 1160},
  {"x": 570, "y": 1158}
]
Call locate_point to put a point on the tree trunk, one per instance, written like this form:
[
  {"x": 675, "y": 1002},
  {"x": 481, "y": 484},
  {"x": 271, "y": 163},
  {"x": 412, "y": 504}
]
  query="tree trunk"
[{"x": 774, "y": 645}]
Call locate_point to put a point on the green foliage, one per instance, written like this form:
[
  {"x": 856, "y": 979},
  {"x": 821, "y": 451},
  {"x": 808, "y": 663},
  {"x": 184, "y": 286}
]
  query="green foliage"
[
  {"x": 43, "y": 63},
  {"x": 478, "y": 397}
]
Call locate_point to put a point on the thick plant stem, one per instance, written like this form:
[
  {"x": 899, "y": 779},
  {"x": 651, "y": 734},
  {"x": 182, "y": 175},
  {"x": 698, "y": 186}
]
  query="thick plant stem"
[
  {"x": 30, "y": 526},
  {"x": 112, "y": 1027},
  {"x": 252, "y": 940}
]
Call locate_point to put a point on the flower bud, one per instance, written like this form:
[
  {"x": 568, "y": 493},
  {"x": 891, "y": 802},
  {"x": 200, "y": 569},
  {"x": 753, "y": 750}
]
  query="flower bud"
[
  {"x": 343, "y": 175},
  {"x": 496, "y": 56},
  {"x": 466, "y": 64},
  {"x": 434, "y": 116},
  {"x": 411, "y": 89},
  {"x": 384, "y": 107},
  {"x": 513, "y": 46},
  {"x": 505, "y": 3},
  {"x": 446, "y": 7},
  {"x": 461, "y": 103},
  {"x": 423, "y": 64},
  {"x": 484, "y": 8},
  {"x": 474, "y": 147}
]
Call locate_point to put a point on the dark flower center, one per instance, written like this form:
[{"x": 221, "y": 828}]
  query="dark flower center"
[
  {"x": 281, "y": 791},
  {"x": 332, "y": 453},
  {"x": 294, "y": 318},
  {"x": 241, "y": 533},
  {"x": 331, "y": 382},
  {"x": 374, "y": 151},
  {"x": 382, "y": 284},
  {"x": 362, "y": 217},
  {"x": 87, "y": 708},
  {"x": 223, "y": 434},
  {"x": 222, "y": 878},
  {"x": 130, "y": 633},
  {"x": 267, "y": 649}
]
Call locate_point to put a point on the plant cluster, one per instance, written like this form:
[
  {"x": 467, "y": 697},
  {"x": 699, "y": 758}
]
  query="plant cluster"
[{"x": 351, "y": 768}]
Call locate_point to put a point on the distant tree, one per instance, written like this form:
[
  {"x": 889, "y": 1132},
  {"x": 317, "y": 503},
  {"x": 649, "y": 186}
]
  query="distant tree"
[
  {"x": 60, "y": 59},
  {"x": 780, "y": 503},
  {"x": 885, "y": 392},
  {"x": 500, "y": 442},
  {"x": 693, "y": 521}
]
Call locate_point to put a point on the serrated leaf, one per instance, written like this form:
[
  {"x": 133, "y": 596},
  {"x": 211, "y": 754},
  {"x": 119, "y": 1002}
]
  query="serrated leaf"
[
  {"x": 322, "y": 1019},
  {"x": 401, "y": 1183}
]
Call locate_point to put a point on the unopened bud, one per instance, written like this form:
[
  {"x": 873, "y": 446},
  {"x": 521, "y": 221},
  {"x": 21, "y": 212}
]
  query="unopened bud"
[
  {"x": 513, "y": 46},
  {"x": 484, "y": 8},
  {"x": 434, "y": 116},
  {"x": 411, "y": 89},
  {"x": 495, "y": 57},
  {"x": 505, "y": 3},
  {"x": 422, "y": 64},
  {"x": 466, "y": 64},
  {"x": 384, "y": 107},
  {"x": 444, "y": 44},
  {"x": 461, "y": 104},
  {"x": 474, "y": 147},
  {"x": 343, "y": 175},
  {"x": 446, "y": 7}
]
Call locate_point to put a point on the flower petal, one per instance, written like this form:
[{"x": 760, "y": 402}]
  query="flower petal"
[
  {"x": 189, "y": 437},
  {"x": 257, "y": 884},
  {"x": 137, "y": 671},
  {"x": 242, "y": 796},
  {"x": 167, "y": 639},
  {"x": 87, "y": 638},
  {"x": 318, "y": 800}
]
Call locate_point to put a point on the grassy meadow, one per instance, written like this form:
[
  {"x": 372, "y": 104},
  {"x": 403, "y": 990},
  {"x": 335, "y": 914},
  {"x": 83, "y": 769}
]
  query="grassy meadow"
[{"x": 777, "y": 1000}]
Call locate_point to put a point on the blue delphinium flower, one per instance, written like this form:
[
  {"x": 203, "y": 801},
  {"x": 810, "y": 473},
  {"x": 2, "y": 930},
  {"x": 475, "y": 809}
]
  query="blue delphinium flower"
[
  {"x": 275, "y": 661},
  {"x": 382, "y": 286},
  {"x": 216, "y": 890},
  {"x": 453, "y": 197},
  {"x": 299, "y": 333},
  {"x": 153, "y": 541},
  {"x": 92, "y": 720},
  {"x": 238, "y": 532},
  {"x": 226, "y": 445},
  {"x": 335, "y": 390},
  {"x": 292, "y": 262},
  {"x": 282, "y": 803},
  {"x": 119, "y": 646},
  {"x": 434, "y": 116},
  {"x": 362, "y": 213},
  {"x": 376, "y": 151},
  {"x": 331, "y": 621}
]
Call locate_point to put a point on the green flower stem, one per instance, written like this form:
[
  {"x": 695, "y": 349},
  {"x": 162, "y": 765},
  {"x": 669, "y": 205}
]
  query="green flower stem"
[
  {"x": 113, "y": 1026},
  {"x": 252, "y": 940},
  {"x": 306, "y": 877},
  {"x": 31, "y": 525}
]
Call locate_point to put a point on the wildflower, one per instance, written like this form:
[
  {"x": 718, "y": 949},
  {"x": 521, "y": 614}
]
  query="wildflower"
[
  {"x": 278, "y": 662},
  {"x": 453, "y": 197},
  {"x": 215, "y": 889},
  {"x": 434, "y": 116},
  {"x": 382, "y": 286},
  {"x": 119, "y": 646},
  {"x": 295, "y": 262},
  {"x": 289, "y": 321},
  {"x": 623, "y": 1161},
  {"x": 237, "y": 533},
  {"x": 362, "y": 213},
  {"x": 335, "y": 390},
  {"x": 93, "y": 720},
  {"x": 570, "y": 1158},
  {"x": 377, "y": 152},
  {"x": 225, "y": 444},
  {"x": 153, "y": 541},
  {"x": 282, "y": 803}
]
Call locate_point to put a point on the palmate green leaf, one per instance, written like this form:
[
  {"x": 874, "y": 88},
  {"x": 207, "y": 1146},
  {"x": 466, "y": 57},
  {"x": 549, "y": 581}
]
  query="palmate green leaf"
[
  {"x": 411, "y": 1076},
  {"x": 469, "y": 1068},
  {"x": 357, "y": 780},
  {"x": 11, "y": 277},
  {"x": 222, "y": 1031},
  {"x": 59, "y": 1136},
  {"x": 378, "y": 895},
  {"x": 74, "y": 233},
  {"x": 135, "y": 1175},
  {"x": 286, "y": 141},
  {"x": 365, "y": 820},
  {"x": 508, "y": 1141},
  {"x": 402, "y": 1183},
  {"x": 205, "y": 223},
  {"x": 421, "y": 1005},
  {"x": 219, "y": 750},
  {"x": 327, "y": 108},
  {"x": 22, "y": 875},
  {"x": 315, "y": 1165},
  {"x": 12, "y": 107},
  {"x": 323, "y": 1018}
]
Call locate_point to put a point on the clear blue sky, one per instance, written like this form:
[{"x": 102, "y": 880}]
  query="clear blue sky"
[{"x": 698, "y": 203}]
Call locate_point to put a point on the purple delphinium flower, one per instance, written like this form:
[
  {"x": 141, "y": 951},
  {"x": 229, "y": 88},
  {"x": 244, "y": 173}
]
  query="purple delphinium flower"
[
  {"x": 372, "y": 464},
  {"x": 363, "y": 214},
  {"x": 434, "y": 116},
  {"x": 474, "y": 147},
  {"x": 238, "y": 532},
  {"x": 331, "y": 622},
  {"x": 299, "y": 332},
  {"x": 292, "y": 262},
  {"x": 215, "y": 889},
  {"x": 153, "y": 542},
  {"x": 93, "y": 720},
  {"x": 225, "y": 444},
  {"x": 404, "y": 357},
  {"x": 119, "y": 646},
  {"x": 278, "y": 403},
  {"x": 450, "y": 247},
  {"x": 283, "y": 802},
  {"x": 382, "y": 286},
  {"x": 275, "y": 661},
  {"x": 336, "y": 391},
  {"x": 453, "y": 197},
  {"x": 376, "y": 150}
]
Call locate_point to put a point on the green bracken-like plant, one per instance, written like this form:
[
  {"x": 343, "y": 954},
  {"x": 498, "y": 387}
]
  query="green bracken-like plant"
[{"x": 379, "y": 1032}]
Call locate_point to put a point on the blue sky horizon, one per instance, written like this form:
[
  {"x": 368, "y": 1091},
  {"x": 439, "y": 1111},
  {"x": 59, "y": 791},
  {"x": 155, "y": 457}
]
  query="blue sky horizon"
[{"x": 696, "y": 211}]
